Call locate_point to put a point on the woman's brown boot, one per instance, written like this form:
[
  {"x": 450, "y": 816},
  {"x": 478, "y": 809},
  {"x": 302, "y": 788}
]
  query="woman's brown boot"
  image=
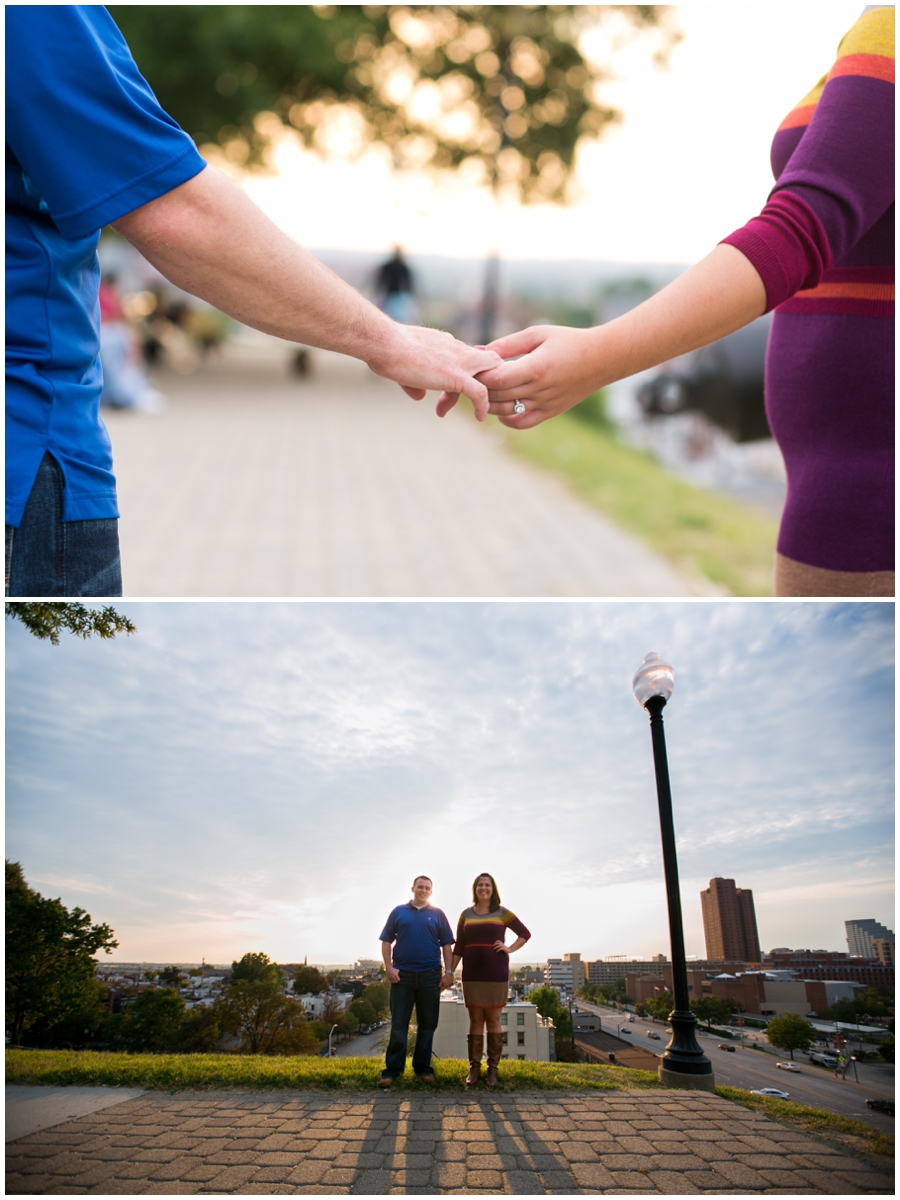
[
  {"x": 494, "y": 1050},
  {"x": 476, "y": 1049}
]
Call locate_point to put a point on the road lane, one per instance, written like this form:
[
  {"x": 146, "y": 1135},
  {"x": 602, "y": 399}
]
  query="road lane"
[{"x": 752, "y": 1069}]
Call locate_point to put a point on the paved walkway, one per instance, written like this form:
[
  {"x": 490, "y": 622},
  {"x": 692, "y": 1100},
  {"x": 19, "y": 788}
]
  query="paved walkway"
[
  {"x": 253, "y": 482},
  {"x": 620, "y": 1143}
]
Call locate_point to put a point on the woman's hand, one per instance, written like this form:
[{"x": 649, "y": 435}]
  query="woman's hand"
[
  {"x": 501, "y": 948},
  {"x": 558, "y": 369}
]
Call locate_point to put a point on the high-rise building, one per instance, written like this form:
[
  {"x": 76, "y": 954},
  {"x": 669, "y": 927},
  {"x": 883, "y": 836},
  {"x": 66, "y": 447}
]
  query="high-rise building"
[
  {"x": 729, "y": 922},
  {"x": 861, "y": 934},
  {"x": 884, "y": 950}
]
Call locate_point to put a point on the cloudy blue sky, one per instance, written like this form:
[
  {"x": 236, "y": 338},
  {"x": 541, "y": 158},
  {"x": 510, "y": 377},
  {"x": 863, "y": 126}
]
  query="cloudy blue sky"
[{"x": 250, "y": 776}]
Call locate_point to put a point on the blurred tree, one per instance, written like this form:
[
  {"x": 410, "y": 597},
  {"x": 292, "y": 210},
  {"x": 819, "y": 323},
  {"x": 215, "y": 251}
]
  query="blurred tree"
[
  {"x": 258, "y": 967},
  {"x": 309, "y": 981},
  {"x": 791, "y": 1032},
  {"x": 170, "y": 976},
  {"x": 505, "y": 88},
  {"x": 46, "y": 621},
  {"x": 197, "y": 1032},
  {"x": 661, "y": 1005},
  {"x": 363, "y": 1011},
  {"x": 379, "y": 996},
  {"x": 886, "y": 1050},
  {"x": 266, "y": 1021},
  {"x": 546, "y": 1000},
  {"x": 50, "y": 968},
  {"x": 151, "y": 1023},
  {"x": 713, "y": 1008}
]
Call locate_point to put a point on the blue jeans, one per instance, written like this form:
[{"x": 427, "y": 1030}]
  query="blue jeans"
[
  {"x": 47, "y": 556},
  {"x": 421, "y": 989}
]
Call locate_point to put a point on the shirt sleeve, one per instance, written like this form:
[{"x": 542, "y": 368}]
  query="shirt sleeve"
[
  {"x": 389, "y": 933},
  {"x": 512, "y": 922},
  {"x": 82, "y": 121},
  {"x": 839, "y": 180}
]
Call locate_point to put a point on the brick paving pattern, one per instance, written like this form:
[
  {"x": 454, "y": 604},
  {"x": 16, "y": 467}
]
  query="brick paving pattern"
[
  {"x": 622, "y": 1143},
  {"x": 253, "y": 483}
]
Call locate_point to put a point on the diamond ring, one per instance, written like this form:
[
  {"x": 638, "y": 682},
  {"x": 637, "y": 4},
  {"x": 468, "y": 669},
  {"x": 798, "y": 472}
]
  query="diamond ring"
[{"x": 518, "y": 407}]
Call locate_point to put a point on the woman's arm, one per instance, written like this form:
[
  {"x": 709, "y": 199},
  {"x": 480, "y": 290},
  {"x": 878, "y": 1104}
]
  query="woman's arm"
[{"x": 562, "y": 366}]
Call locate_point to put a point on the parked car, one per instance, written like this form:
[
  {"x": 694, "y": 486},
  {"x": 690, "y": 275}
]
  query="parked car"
[
  {"x": 771, "y": 1092},
  {"x": 788, "y": 1066},
  {"x": 882, "y": 1105},
  {"x": 726, "y": 1046},
  {"x": 651, "y": 1033}
]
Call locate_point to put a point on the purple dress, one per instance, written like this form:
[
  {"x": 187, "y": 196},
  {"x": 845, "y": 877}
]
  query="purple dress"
[
  {"x": 824, "y": 248},
  {"x": 485, "y": 972}
]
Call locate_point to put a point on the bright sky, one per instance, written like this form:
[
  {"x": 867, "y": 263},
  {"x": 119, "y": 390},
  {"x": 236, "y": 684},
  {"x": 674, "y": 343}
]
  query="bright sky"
[
  {"x": 245, "y": 776},
  {"x": 689, "y": 164}
]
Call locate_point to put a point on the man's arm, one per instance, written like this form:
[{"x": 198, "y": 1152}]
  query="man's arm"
[
  {"x": 447, "y": 977},
  {"x": 208, "y": 238},
  {"x": 392, "y": 973}
]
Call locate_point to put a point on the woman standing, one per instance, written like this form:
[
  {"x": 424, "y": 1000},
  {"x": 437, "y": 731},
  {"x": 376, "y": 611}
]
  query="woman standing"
[{"x": 480, "y": 944}]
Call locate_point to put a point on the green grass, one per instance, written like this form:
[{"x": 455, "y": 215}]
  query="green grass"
[
  {"x": 702, "y": 532},
  {"x": 172, "y": 1071},
  {"x": 855, "y": 1134}
]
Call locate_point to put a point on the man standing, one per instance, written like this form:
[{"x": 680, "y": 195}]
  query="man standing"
[
  {"x": 413, "y": 941},
  {"x": 87, "y": 145}
]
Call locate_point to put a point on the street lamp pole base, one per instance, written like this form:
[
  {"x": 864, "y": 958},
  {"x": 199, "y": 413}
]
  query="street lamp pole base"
[{"x": 677, "y": 1079}]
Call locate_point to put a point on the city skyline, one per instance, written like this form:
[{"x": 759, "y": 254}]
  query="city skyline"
[{"x": 243, "y": 776}]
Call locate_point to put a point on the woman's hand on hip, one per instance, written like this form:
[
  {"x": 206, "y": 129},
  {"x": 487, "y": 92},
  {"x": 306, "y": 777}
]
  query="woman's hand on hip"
[{"x": 501, "y": 948}]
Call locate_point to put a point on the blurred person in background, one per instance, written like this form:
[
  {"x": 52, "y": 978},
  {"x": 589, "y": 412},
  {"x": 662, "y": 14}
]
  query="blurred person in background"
[
  {"x": 821, "y": 254},
  {"x": 87, "y": 145},
  {"x": 395, "y": 289},
  {"x": 124, "y": 383}
]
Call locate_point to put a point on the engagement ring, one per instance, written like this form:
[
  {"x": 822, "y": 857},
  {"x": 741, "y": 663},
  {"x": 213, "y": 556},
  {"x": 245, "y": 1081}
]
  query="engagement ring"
[{"x": 518, "y": 407}]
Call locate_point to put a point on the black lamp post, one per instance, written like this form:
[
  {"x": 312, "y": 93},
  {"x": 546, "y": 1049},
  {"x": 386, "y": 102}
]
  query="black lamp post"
[{"x": 683, "y": 1065}]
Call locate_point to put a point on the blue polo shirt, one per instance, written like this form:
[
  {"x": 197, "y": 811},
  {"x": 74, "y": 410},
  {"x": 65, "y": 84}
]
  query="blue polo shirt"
[
  {"x": 86, "y": 142},
  {"x": 418, "y": 935}
]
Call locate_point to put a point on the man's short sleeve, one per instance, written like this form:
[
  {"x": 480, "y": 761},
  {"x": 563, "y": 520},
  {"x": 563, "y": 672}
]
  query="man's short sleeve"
[
  {"x": 82, "y": 122},
  {"x": 389, "y": 933}
]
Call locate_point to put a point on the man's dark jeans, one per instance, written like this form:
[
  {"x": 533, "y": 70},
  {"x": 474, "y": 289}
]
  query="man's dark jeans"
[
  {"x": 422, "y": 990},
  {"x": 47, "y": 556}
]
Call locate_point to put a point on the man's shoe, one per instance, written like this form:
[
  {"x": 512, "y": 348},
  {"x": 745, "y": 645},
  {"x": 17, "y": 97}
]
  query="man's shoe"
[
  {"x": 385, "y": 1081},
  {"x": 426, "y": 1077}
]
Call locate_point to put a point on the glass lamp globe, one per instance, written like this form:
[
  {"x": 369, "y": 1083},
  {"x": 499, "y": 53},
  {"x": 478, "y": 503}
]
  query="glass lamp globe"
[{"x": 653, "y": 678}]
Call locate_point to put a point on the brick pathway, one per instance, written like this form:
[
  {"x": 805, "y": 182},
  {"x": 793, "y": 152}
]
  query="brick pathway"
[
  {"x": 255, "y": 483},
  {"x": 620, "y": 1143}
]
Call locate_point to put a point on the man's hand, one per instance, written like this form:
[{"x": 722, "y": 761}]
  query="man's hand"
[
  {"x": 558, "y": 370},
  {"x": 422, "y": 359},
  {"x": 393, "y": 974},
  {"x": 446, "y": 980}
]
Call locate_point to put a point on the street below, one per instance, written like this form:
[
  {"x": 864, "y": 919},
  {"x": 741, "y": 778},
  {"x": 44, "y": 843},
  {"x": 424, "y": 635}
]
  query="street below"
[{"x": 751, "y": 1069}]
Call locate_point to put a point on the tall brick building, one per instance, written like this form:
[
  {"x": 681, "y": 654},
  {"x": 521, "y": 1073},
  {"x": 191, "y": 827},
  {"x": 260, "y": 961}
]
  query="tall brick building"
[{"x": 729, "y": 922}]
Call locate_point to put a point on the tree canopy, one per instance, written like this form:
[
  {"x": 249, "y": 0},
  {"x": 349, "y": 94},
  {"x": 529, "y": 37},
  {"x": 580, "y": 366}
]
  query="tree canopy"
[
  {"x": 791, "y": 1032},
  {"x": 504, "y": 88},
  {"x": 713, "y": 1008},
  {"x": 46, "y": 621},
  {"x": 309, "y": 981},
  {"x": 256, "y": 967},
  {"x": 50, "y": 968}
]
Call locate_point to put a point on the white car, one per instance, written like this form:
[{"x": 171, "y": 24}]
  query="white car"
[
  {"x": 771, "y": 1092},
  {"x": 788, "y": 1066}
]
